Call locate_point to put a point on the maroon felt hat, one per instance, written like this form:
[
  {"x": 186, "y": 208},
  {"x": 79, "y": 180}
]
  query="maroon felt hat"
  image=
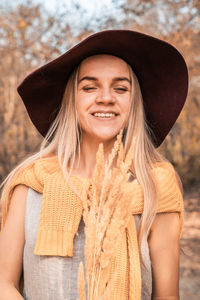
[{"x": 159, "y": 67}]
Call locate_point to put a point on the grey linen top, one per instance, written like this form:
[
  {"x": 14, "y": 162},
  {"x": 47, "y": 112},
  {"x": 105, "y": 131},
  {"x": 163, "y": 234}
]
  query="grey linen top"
[{"x": 54, "y": 277}]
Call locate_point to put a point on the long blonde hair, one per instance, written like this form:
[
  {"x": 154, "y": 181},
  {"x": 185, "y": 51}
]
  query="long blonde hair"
[{"x": 63, "y": 140}]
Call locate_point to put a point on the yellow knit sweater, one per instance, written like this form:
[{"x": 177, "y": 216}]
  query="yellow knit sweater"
[{"x": 62, "y": 208}]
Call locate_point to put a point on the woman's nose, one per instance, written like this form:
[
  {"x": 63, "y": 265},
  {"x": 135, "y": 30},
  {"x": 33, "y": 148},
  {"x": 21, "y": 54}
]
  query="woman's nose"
[{"x": 105, "y": 96}]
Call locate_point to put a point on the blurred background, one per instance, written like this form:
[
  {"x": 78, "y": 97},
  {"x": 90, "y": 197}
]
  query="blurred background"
[{"x": 34, "y": 32}]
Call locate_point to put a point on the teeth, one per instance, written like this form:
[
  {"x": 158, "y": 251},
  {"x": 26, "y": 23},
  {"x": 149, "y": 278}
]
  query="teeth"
[{"x": 102, "y": 115}]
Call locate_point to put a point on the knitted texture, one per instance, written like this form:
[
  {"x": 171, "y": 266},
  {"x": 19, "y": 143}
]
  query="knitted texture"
[{"x": 62, "y": 209}]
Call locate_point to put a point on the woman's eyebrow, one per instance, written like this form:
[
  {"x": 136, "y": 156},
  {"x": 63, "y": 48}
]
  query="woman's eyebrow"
[
  {"x": 122, "y": 79},
  {"x": 88, "y": 78}
]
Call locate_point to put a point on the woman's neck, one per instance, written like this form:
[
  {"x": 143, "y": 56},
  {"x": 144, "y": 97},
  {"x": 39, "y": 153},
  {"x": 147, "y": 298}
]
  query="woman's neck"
[{"x": 88, "y": 150}]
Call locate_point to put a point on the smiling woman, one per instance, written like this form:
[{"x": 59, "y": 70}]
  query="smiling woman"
[
  {"x": 98, "y": 181},
  {"x": 103, "y": 99}
]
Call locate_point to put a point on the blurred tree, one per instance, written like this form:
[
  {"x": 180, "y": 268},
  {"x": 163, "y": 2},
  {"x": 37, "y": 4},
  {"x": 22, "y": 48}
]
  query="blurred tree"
[{"x": 28, "y": 37}]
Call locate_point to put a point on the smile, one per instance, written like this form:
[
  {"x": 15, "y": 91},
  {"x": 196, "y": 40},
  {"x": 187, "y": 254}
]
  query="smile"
[{"x": 104, "y": 115}]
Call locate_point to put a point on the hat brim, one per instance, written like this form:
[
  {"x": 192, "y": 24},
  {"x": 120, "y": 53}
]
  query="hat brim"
[{"x": 159, "y": 67}]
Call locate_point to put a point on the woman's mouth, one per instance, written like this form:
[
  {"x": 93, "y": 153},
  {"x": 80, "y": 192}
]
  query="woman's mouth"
[{"x": 104, "y": 115}]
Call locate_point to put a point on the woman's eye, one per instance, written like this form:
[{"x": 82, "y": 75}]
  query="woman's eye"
[
  {"x": 88, "y": 88},
  {"x": 121, "y": 89}
]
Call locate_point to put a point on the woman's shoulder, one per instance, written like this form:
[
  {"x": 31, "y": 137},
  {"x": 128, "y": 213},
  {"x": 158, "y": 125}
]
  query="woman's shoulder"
[
  {"x": 48, "y": 164},
  {"x": 163, "y": 166},
  {"x": 165, "y": 173},
  {"x": 169, "y": 187},
  {"x": 44, "y": 165},
  {"x": 34, "y": 173}
]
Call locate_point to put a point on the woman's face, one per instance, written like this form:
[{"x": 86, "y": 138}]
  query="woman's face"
[{"x": 103, "y": 97}]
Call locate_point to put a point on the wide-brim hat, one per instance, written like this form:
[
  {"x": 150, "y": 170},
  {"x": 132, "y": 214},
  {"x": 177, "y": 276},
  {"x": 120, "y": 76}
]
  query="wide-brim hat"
[{"x": 159, "y": 67}]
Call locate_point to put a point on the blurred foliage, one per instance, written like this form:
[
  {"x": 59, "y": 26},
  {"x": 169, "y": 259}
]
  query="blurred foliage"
[{"x": 31, "y": 36}]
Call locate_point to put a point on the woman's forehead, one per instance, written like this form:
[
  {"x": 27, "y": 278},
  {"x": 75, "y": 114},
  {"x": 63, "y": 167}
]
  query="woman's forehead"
[{"x": 103, "y": 63}]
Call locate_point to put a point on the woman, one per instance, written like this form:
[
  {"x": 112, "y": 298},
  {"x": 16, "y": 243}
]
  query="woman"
[{"x": 83, "y": 98}]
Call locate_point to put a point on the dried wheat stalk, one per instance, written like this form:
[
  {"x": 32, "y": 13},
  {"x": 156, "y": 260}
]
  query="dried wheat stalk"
[{"x": 106, "y": 215}]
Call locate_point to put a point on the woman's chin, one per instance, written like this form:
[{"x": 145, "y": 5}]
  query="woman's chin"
[{"x": 105, "y": 136}]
